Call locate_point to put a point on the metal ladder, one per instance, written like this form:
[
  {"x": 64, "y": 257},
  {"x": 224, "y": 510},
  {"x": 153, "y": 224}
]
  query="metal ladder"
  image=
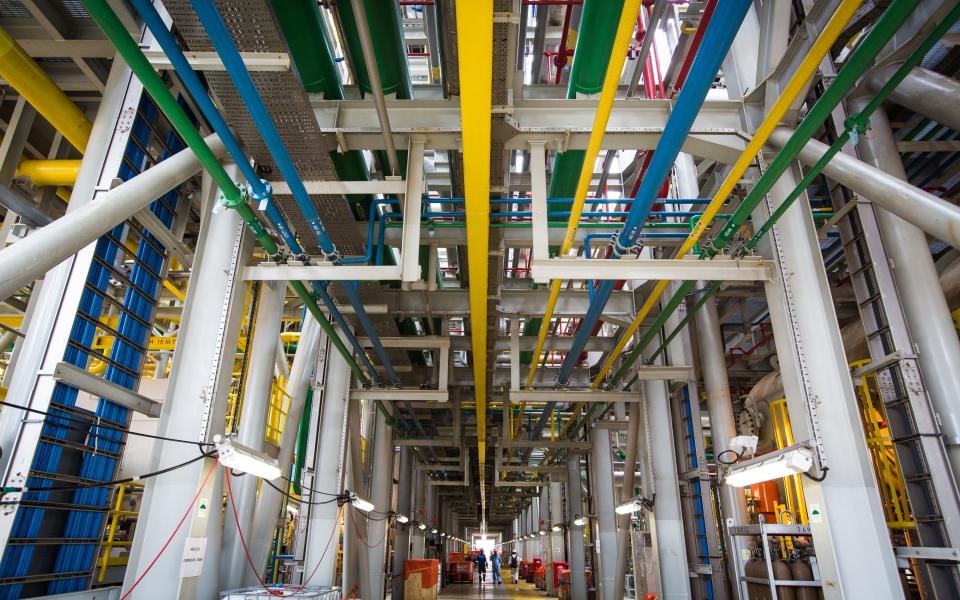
[{"x": 920, "y": 451}]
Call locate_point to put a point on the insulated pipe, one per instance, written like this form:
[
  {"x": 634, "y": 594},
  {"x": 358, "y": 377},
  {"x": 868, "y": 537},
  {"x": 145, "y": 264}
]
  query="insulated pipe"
[
  {"x": 29, "y": 80},
  {"x": 381, "y": 492},
  {"x": 39, "y": 252},
  {"x": 659, "y": 8},
  {"x": 268, "y": 502},
  {"x": 717, "y": 40},
  {"x": 578, "y": 578},
  {"x": 928, "y": 212},
  {"x": 24, "y": 208},
  {"x": 51, "y": 172},
  {"x": 401, "y": 547},
  {"x": 929, "y": 93},
  {"x": 605, "y": 542},
  {"x": 626, "y": 493},
  {"x": 385, "y": 27},
  {"x": 373, "y": 73}
]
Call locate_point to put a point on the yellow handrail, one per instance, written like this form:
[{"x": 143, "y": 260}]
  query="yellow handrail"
[
  {"x": 109, "y": 542},
  {"x": 795, "y": 87},
  {"x": 277, "y": 412}
]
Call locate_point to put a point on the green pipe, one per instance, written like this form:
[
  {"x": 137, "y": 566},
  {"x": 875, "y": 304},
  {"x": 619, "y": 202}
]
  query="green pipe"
[
  {"x": 312, "y": 53},
  {"x": 860, "y": 60},
  {"x": 386, "y": 30},
  {"x": 857, "y": 122},
  {"x": 303, "y": 437},
  {"x": 103, "y": 14}
]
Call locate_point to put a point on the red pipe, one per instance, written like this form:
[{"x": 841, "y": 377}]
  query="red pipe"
[
  {"x": 561, "y": 58},
  {"x": 708, "y": 11}
]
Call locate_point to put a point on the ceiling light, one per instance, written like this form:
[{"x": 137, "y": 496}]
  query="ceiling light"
[
  {"x": 790, "y": 461},
  {"x": 422, "y": 526},
  {"x": 433, "y": 531},
  {"x": 402, "y": 518},
  {"x": 246, "y": 460},
  {"x": 580, "y": 521},
  {"x": 361, "y": 504},
  {"x": 555, "y": 528},
  {"x": 543, "y": 532},
  {"x": 632, "y": 506}
]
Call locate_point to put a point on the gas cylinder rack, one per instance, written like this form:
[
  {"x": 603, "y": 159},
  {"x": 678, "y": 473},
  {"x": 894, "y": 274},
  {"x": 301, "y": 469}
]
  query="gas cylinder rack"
[{"x": 782, "y": 546}]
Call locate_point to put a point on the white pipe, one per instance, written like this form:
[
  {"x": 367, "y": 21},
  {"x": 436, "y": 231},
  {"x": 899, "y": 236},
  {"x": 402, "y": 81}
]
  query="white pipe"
[
  {"x": 32, "y": 257},
  {"x": 931, "y": 94},
  {"x": 931, "y": 214}
]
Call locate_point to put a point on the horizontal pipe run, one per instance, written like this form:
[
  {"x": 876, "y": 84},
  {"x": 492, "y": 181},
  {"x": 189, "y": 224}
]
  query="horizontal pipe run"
[
  {"x": 33, "y": 256},
  {"x": 24, "y": 208},
  {"x": 51, "y": 172}
]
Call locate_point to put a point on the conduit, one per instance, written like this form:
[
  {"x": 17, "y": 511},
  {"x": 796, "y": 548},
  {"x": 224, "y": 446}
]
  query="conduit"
[
  {"x": 29, "y": 80},
  {"x": 791, "y": 91},
  {"x": 475, "y": 50},
  {"x": 233, "y": 198},
  {"x": 717, "y": 40}
]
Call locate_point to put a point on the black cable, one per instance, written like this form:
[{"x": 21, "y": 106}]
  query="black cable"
[
  {"x": 287, "y": 495},
  {"x": 818, "y": 478},
  {"x": 730, "y": 462},
  {"x": 99, "y": 484},
  {"x": 308, "y": 488},
  {"x": 97, "y": 423}
]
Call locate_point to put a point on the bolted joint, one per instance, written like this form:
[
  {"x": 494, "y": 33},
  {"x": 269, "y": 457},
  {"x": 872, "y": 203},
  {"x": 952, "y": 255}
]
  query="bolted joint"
[{"x": 263, "y": 198}]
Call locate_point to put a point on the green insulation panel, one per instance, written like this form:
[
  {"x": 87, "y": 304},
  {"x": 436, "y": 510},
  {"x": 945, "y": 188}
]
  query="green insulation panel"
[{"x": 386, "y": 31}]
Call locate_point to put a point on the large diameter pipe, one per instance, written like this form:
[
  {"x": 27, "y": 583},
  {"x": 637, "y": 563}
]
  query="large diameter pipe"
[
  {"x": 54, "y": 172},
  {"x": 931, "y": 94},
  {"x": 23, "y": 207},
  {"x": 28, "y": 79},
  {"x": 928, "y": 212},
  {"x": 33, "y": 256}
]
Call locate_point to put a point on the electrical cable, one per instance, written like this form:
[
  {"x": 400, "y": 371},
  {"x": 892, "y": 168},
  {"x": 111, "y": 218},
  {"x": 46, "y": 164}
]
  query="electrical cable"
[
  {"x": 820, "y": 477},
  {"x": 174, "y": 533},
  {"x": 333, "y": 532},
  {"x": 729, "y": 462},
  {"x": 243, "y": 541},
  {"x": 97, "y": 423}
]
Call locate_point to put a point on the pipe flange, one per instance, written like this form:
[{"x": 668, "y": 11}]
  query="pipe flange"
[
  {"x": 261, "y": 199},
  {"x": 618, "y": 248},
  {"x": 333, "y": 257}
]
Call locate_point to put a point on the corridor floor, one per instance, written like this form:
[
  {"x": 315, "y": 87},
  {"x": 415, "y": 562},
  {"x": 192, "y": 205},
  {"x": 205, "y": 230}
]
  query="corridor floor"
[{"x": 475, "y": 591}]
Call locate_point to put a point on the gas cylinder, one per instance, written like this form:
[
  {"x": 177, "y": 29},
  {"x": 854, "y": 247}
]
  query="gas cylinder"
[
  {"x": 802, "y": 572},
  {"x": 781, "y": 570},
  {"x": 756, "y": 567}
]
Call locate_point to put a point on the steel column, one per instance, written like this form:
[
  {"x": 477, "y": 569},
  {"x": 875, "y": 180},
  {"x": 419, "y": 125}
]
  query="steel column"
[
  {"x": 195, "y": 402},
  {"x": 546, "y": 541},
  {"x": 268, "y": 501},
  {"x": 849, "y": 533},
  {"x": 329, "y": 467},
  {"x": 402, "y": 536},
  {"x": 578, "y": 578},
  {"x": 253, "y": 421},
  {"x": 605, "y": 538},
  {"x": 419, "y": 501},
  {"x": 381, "y": 492}
]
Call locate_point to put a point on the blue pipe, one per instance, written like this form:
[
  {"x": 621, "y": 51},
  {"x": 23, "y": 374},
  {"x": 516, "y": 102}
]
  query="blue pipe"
[
  {"x": 716, "y": 43},
  {"x": 227, "y": 50},
  {"x": 259, "y": 189}
]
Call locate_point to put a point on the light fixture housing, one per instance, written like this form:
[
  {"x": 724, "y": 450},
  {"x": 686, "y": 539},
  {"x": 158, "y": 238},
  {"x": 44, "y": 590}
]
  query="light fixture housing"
[
  {"x": 543, "y": 532},
  {"x": 246, "y": 460},
  {"x": 556, "y": 528},
  {"x": 579, "y": 520},
  {"x": 401, "y": 518},
  {"x": 783, "y": 463},
  {"x": 632, "y": 506},
  {"x": 360, "y": 503},
  {"x": 422, "y": 526},
  {"x": 433, "y": 531}
]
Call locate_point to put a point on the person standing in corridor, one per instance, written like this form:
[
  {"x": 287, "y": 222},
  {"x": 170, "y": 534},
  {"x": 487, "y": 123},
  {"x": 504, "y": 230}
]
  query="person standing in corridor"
[
  {"x": 482, "y": 566},
  {"x": 495, "y": 565}
]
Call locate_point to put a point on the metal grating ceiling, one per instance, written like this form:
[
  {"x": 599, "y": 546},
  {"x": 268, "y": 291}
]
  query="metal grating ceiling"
[
  {"x": 12, "y": 8},
  {"x": 254, "y": 29}
]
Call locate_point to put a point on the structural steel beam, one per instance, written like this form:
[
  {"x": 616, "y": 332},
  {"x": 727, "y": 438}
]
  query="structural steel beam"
[
  {"x": 324, "y": 272},
  {"x": 683, "y": 269}
]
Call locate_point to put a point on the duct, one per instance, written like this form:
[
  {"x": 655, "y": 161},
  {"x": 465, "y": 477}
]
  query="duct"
[
  {"x": 29, "y": 80},
  {"x": 233, "y": 62},
  {"x": 23, "y": 207},
  {"x": 928, "y": 212},
  {"x": 923, "y": 91},
  {"x": 717, "y": 40},
  {"x": 49, "y": 172},
  {"x": 259, "y": 189},
  {"x": 33, "y": 256}
]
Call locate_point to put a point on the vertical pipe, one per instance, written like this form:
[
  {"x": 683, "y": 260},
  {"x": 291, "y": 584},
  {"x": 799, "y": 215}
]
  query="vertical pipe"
[
  {"x": 329, "y": 466},
  {"x": 381, "y": 488},
  {"x": 419, "y": 501},
  {"x": 546, "y": 540},
  {"x": 626, "y": 493},
  {"x": 578, "y": 578},
  {"x": 253, "y": 422},
  {"x": 402, "y": 543},
  {"x": 269, "y": 500},
  {"x": 605, "y": 541}
]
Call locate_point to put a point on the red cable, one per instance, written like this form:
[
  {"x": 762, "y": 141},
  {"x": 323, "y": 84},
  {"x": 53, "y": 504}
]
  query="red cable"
[
  {"x": 243, "y": 542},
  {"x": 172, "y": 535},
  {"x": 324, "y": 554}
]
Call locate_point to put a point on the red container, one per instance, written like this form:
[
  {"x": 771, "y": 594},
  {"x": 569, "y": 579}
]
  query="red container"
[
  {"x": 557, "y": 566},
  {"x": 460, "y": 571},
  {"x": 532, "y": 567}
]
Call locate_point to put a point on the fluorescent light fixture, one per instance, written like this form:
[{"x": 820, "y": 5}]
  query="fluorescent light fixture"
[
  {"x": 783, "y": 463},
  {"x": 580, "y": 521},
  {"x": 422, "y": 526},
  {"x": 555, "y": 528},
  {"x": 433, "y": 531},
  {"x": 361, "y": 504},
  {"x": 543, "y": 532},
  {"x": 246, "y": 460},
  {"x": 631, "y": 506},
  {"x": 403, "y": 518},
  {"x": 443, "y": 535}
]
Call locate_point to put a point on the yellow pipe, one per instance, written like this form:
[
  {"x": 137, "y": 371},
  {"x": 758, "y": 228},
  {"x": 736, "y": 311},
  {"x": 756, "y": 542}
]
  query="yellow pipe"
[
  {"x": 475, "y": 47},
  {"x": 795, "y": 87},
  {"x": 167, "y": 285},
  {"x": 58, "y": 172},
  {"x": 608, "y": 94},
  {"x": 28, "y": 79}
]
